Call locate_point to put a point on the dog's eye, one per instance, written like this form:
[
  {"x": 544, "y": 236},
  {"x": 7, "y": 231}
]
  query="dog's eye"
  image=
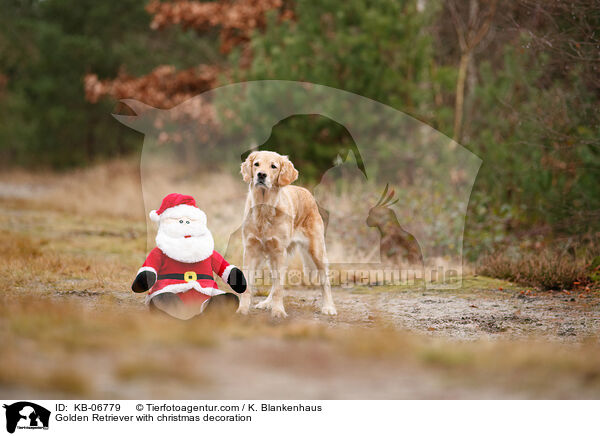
[
  {"x": 255, "y": 164},
  {"x": 273, "y": 166},
  {"x": 180, "y": 221},
  {"x": 187, "y": 222}
]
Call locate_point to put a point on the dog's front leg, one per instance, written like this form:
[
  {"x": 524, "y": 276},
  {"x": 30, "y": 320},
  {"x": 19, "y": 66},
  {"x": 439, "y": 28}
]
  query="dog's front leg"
[
  {"x": 274, "y": 301},
  {"x": 251, "y": 262}
]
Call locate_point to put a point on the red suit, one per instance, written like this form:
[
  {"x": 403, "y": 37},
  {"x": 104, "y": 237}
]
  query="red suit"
[{"x": 192, "y": 282}]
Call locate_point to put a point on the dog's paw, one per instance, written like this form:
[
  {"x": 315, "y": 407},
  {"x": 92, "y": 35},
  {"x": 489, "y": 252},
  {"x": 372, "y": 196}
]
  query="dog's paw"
[
  {"x": 278, "y": 312},
  {"x": 328, "y": 310},
  {"x": 265, "y": 304},
  {"x": 243, "y": 310}
]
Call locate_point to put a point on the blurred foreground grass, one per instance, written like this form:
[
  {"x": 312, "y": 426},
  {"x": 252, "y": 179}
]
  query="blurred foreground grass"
[{"x": 64, "y": 347}]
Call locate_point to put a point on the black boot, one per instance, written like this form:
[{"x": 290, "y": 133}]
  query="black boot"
[
  {"x": 222, "y": 303},
  {"x": 167, "y": 302}
]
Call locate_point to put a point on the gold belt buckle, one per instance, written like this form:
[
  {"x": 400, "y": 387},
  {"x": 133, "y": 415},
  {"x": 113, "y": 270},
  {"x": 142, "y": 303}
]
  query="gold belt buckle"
[{"x": 189, "y": 276}]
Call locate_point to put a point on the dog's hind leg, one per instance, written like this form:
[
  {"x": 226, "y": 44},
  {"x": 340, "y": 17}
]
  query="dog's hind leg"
[{"x": 309, "y": 269}]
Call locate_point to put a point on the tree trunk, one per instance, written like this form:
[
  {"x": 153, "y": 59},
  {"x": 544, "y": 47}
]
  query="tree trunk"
[{"x": 465, "y": 59}]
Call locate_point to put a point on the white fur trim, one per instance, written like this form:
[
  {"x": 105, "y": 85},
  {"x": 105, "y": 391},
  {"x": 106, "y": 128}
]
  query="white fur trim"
[
  {"x": 176, "y": 288},
  {"x": 203, "y": 247},
  {"x": 147, "y": 268},
  {"x": 184, "y": 210},
  {"x": 154, "y": 216},
  {"x": 226, "y": 272}
]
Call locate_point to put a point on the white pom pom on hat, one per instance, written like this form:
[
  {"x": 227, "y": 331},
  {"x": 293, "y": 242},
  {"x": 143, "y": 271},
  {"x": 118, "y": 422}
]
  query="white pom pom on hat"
[{"x": 154, "y": 216}]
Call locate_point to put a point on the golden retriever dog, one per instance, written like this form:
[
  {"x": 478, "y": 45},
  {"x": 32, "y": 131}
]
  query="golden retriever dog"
[{"x": 278, "y": 219}]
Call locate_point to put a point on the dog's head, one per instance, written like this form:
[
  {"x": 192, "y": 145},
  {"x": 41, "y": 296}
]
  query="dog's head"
[{"x": 266, "y": 169}]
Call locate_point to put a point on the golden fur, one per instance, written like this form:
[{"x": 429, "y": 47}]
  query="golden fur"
[{"x": 279, "y": 218}]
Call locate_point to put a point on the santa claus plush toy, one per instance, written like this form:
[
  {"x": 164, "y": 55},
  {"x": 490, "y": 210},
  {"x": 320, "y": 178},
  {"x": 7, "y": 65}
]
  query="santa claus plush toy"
[{"x": 178, "y": 272}]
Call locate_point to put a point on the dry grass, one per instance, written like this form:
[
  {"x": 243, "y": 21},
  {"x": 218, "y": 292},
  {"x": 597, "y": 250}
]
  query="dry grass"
[
  {"x": 18, "y": 371},
  {"x": 110, "y": 190},
  {"x": 49, "y": 251},
  {"x": 182, "y": 371},
  {"x": 51, "y": 341},
  {"x": 547, "y": 270},
  {"x": 483, "y": 357}
]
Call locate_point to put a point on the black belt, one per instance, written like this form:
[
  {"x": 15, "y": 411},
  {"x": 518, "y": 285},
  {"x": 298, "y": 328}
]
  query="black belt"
[{"x": 188, "y": 276}]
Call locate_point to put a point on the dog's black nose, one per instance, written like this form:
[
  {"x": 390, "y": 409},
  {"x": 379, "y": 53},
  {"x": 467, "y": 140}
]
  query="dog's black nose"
[{"x": 261, "y": 175}]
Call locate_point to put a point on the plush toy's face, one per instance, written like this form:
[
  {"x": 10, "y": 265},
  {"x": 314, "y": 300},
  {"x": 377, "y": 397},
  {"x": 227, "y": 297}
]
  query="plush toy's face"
[
  {"x": 184, "y": 227},
  {"x": 185, "y": 239}
]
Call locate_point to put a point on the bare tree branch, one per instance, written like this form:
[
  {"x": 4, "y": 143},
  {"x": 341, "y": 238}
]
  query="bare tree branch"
[{"x": 459, "y": 25}]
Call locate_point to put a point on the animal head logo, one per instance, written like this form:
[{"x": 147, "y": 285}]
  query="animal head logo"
[
  {"x": 381, "y": 213},
  {"x": 26, "y": 415}
]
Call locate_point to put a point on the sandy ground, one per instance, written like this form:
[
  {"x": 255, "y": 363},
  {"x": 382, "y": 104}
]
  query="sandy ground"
[{"x": 71, "y": 328}]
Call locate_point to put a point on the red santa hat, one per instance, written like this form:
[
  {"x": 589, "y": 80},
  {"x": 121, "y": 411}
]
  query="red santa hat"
[{"x": 177, "y": 206}]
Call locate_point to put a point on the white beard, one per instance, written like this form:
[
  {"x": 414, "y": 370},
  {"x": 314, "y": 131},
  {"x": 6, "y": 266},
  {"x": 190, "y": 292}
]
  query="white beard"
[{"x": 187, "y": 250}]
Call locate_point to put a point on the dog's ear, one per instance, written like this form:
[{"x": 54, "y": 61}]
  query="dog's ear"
[
  {"x": 246, "y": 168},
  {"x": 287, "y": 173}
]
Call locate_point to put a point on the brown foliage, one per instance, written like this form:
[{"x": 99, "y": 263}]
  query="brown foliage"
[
  {"x": 237, "y": 19},
  {"x": 164, "y": 87}
]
